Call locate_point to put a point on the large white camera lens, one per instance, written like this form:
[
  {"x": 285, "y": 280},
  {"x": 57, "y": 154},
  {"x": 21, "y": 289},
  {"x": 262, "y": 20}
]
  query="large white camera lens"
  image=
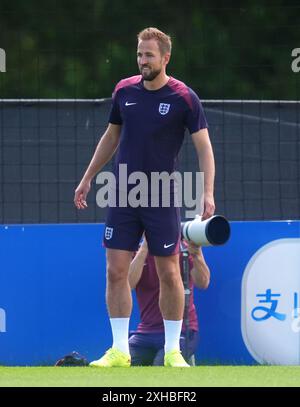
[{"x": 210, "y": 232}]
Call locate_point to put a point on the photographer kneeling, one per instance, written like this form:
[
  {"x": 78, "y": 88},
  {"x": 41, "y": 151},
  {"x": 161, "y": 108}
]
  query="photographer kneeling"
[{"x": 146, "y": 344}]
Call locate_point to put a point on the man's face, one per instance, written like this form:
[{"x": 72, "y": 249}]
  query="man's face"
[{"x": 149, "y": 59}]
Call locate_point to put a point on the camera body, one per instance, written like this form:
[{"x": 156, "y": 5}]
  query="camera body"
[{"x": 213, "y": 231}]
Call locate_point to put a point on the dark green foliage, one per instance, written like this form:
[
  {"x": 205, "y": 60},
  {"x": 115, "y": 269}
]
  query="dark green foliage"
[{"x": 80, "y": 49}]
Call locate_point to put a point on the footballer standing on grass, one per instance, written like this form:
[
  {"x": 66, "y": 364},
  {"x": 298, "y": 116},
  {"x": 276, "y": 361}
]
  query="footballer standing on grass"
[{"x": 149, "y": 115}]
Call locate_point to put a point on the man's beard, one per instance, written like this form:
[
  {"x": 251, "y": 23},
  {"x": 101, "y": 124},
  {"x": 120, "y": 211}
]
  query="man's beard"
[{"x": 149, "y": 75}]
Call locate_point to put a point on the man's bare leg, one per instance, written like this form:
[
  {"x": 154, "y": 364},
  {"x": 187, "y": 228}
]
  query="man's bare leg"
[
  {"x": 171, "y": 299},
  {"x": 171, "y": 302},
  {"x": 119, "y": 304},
  {"x": 118, "y": 292},
  {"x": 118, "y": 296}
]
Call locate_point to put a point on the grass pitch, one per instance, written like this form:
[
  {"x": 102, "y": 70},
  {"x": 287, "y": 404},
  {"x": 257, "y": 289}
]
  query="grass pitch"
[{"x": 200, "y": 376}]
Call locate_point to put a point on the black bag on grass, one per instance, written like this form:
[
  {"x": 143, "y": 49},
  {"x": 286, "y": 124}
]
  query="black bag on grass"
[{"x": 72, "y": 359}]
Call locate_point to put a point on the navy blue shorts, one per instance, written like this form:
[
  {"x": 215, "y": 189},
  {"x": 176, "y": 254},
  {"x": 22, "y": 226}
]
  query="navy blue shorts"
[
  {"x": 125, "y": 226},
  {"x": 147, "y": 349}
]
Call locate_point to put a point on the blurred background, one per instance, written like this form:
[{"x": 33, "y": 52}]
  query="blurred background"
[
  {"x": 222, "y": 49},
  {"x": 62, "y": 62},
  {"x": 65, "y": 57}
]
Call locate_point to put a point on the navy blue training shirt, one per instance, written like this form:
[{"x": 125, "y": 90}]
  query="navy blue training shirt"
[{"x": 153, "y": 123}]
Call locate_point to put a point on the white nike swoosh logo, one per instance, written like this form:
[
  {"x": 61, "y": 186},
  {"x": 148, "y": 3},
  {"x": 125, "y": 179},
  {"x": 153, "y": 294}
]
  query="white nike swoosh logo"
[
  {"x": 129, "y": 104},
  {"x": 168, "y": 245}
]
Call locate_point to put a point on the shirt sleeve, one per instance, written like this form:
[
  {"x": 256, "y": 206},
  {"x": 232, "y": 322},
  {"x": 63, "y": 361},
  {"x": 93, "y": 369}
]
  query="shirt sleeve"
[
  {"x": 115, "y": 114},
  {"x": 195, "y": 117}
]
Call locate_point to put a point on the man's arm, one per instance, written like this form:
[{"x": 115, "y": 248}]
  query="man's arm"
[
  {"x": 207, "y": 165},
  {"x": 200, "y": 272},
  {"x": 137, "y": 265},
  {"x": 103, "y": 153}
]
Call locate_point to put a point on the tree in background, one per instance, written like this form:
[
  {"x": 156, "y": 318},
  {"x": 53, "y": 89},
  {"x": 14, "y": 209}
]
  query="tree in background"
[{"x": 76, "y": 49}]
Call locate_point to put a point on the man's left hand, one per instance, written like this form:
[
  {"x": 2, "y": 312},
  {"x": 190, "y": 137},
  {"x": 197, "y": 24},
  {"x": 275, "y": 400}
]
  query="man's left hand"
[{"x": 209, "y": 207}]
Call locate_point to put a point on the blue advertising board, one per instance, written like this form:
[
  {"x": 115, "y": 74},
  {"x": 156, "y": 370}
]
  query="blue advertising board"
[{"x": 52, "y": 295}]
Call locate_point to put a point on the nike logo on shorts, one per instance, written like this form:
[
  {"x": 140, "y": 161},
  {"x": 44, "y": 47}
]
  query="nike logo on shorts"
[
  {"x": 168, "y": 245},
  {"x": 129, "y": 104}
]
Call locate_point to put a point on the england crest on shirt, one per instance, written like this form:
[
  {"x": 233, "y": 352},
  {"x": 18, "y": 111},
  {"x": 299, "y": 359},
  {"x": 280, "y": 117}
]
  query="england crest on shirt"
[
  {"x": 108, "y": 233},
  {"x": 164, "y": 108}
]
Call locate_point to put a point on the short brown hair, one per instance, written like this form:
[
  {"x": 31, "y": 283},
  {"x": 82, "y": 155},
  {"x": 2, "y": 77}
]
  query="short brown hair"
[{"x": 163, "y": 40}]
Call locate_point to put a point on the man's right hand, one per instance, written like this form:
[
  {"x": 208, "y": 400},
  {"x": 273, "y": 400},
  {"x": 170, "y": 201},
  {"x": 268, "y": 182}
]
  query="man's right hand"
[{"x": 81, "y": 193}]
